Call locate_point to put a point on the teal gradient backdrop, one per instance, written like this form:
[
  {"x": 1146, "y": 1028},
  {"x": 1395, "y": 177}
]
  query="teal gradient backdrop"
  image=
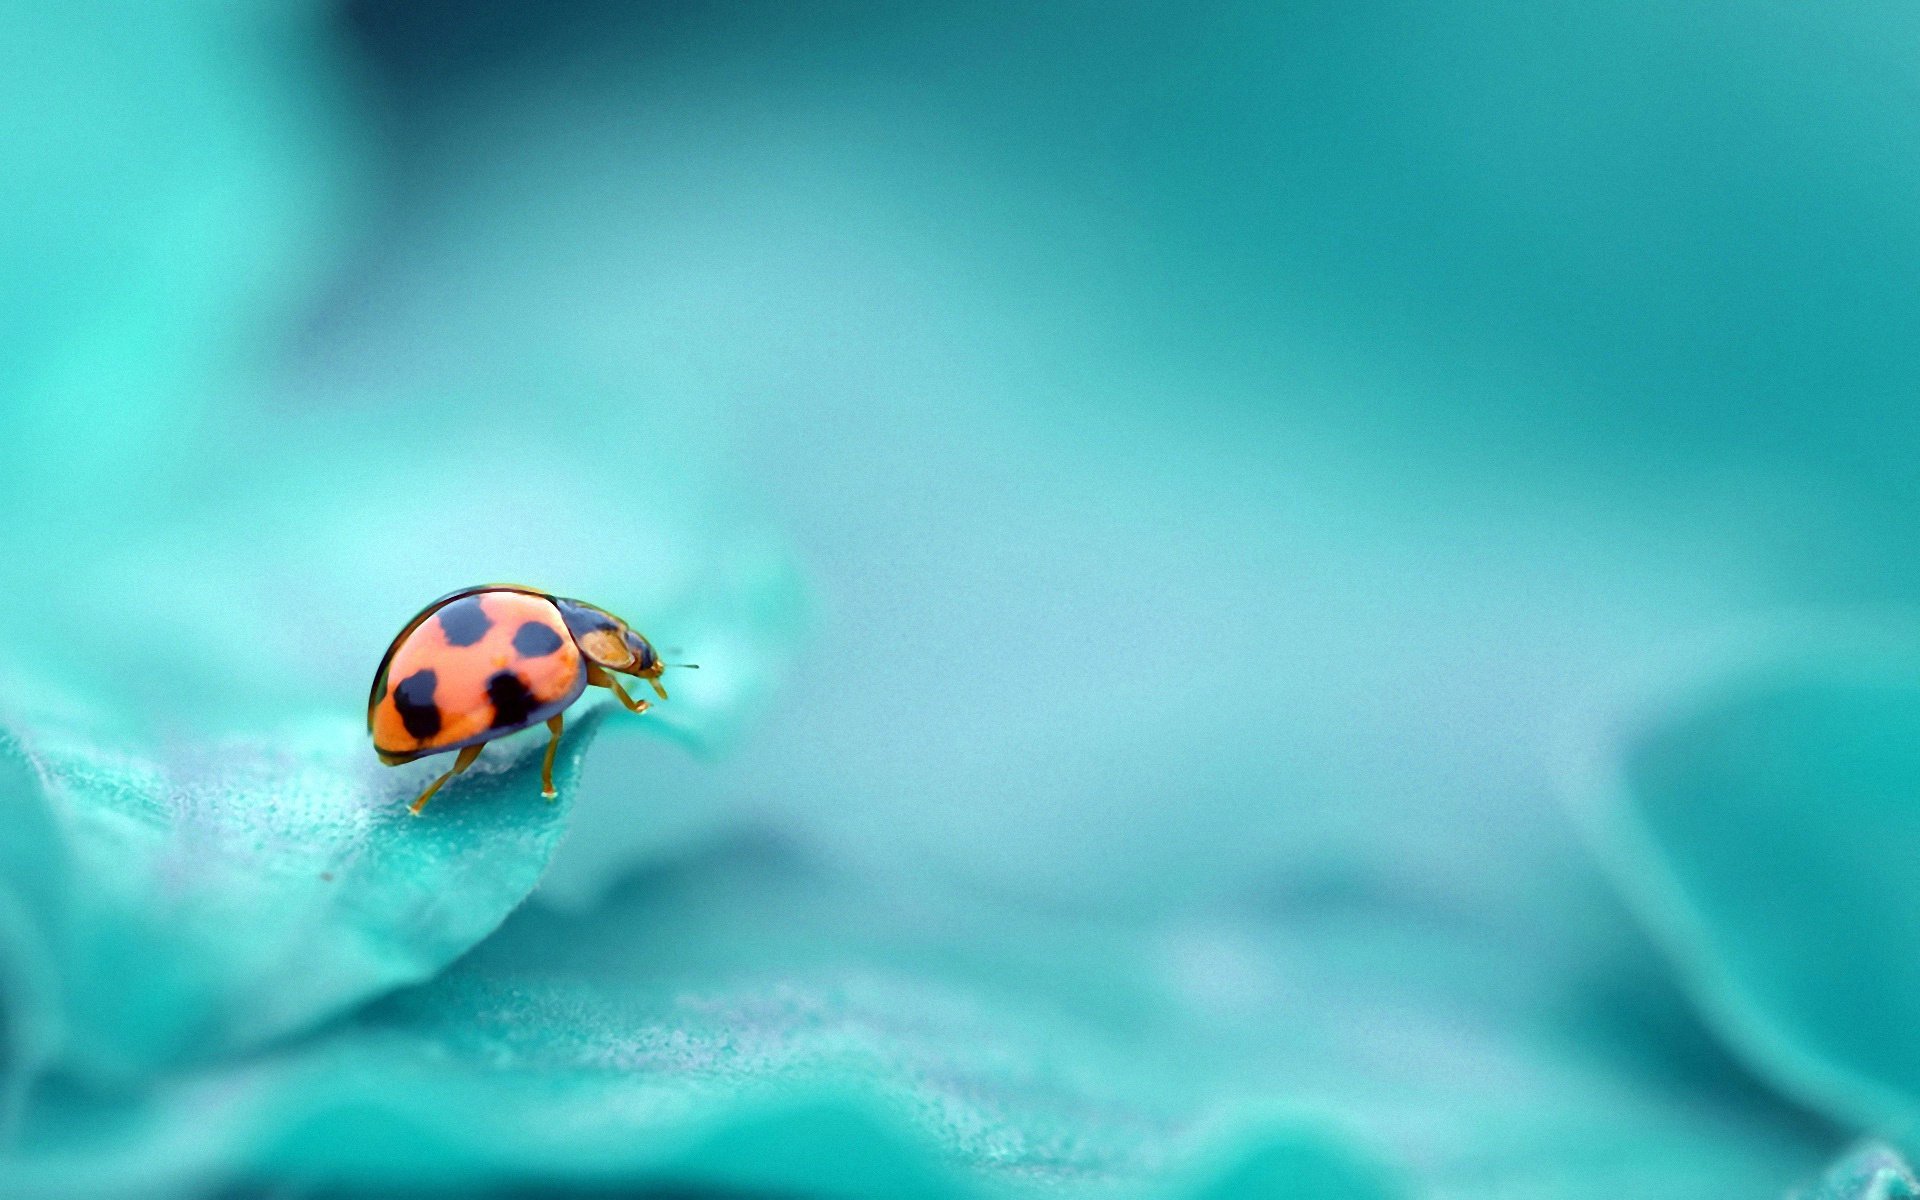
[{"x": 1304, "y": 599}]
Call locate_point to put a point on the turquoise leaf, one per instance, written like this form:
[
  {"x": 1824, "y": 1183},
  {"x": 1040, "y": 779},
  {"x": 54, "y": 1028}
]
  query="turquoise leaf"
[
  {"x": 746, "y": 1020},
  {"x": 1763, "y": 821},
  {"x": 171, "y": 912},
  {"x": 750, "y": 1015}
]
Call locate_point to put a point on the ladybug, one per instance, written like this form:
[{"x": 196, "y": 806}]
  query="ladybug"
[{"x": 484, "y": 662}]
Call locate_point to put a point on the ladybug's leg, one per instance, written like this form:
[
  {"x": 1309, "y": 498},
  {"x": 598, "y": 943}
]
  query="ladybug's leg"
[
  {"x": 600, "y": 678},
  {"x": 658, "y": 690},
  {"x": 546, "y": 768},
  {"x": 460, "y": 764},
  {"x": 633, "y": 705}
]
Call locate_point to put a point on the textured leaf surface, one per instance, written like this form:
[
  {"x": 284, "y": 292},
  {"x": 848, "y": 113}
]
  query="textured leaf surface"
[
  {"x": 752, "y": 1017},
  {"x": 1868, "y": 1172},
  {"x": 187, "y": 909}
]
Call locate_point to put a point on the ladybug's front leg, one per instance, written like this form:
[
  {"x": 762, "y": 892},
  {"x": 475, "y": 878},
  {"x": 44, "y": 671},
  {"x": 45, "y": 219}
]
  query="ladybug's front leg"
[{"x": 600, "y": 678}]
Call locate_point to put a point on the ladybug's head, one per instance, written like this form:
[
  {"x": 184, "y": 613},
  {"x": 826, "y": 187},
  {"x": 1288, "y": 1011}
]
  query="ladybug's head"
[
  {"x": 646, "y": 662},
  {"x": 608, "y": 641}
]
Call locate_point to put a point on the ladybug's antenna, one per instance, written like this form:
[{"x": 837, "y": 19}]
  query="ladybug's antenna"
[{"x": 688, "y": 666}]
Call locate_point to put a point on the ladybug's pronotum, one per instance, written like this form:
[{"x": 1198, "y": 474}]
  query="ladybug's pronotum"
[{"x": 488, "y": 661}]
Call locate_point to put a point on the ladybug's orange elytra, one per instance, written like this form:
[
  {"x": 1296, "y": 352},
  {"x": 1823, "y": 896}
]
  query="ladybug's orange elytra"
[{"x": 484, "y": 662}]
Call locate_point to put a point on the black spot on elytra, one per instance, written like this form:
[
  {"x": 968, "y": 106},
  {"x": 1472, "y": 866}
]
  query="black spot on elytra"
[
  {"x": 536, "y": 639},
  {"x": 465, "y": 622},
  {"x": 512, "y": 702},
  {"x": 413, "y": 697}
]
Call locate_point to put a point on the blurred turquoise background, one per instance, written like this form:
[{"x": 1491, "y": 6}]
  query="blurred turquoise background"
[{"x": 1306, "y": 599}]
